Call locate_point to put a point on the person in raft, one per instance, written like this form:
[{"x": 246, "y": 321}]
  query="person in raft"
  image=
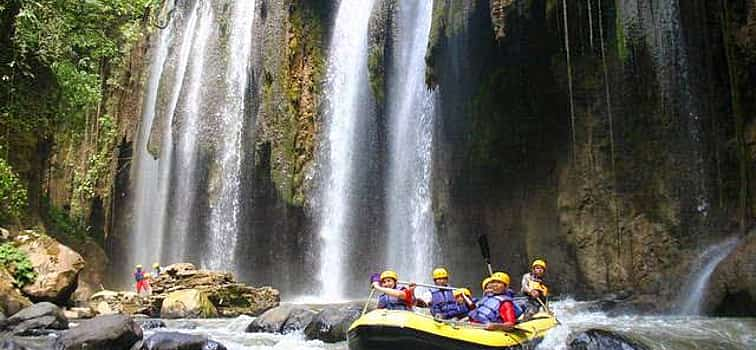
[
  {"x": 465, "y": 302},
  {"x": 533, "y": 286},
  {"x": 442, "y": 303},
  {"x": 139, "y": 279},
  {"x": 496, "y": 308},
  {"x": 394, "y": 297}
]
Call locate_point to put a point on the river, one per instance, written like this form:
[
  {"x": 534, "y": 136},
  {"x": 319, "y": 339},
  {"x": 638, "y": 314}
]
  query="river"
[{"x": 657, "y": 332}]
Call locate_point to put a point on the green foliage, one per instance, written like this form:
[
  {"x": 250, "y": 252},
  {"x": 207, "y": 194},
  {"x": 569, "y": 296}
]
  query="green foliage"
[
  {"x": 63, "y": 48},
  {"x": 18, "y": 264},
  {"x": 12, "y": 193},
  {"x": 66, "y": 229}
]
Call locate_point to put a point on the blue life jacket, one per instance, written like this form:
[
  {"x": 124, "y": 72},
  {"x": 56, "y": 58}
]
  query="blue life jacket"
[
  {"x": 139, "y": 275},
  {"x": 487, "y": 310},
  {"x": 442, "y": 301},
  {"x": 392, "y": 303}
]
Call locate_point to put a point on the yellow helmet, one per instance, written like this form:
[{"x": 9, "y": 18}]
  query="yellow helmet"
[
  {"x": 139, "y": 266},
  {"x": 389, "y": 274},
  {"x": 485, "y": 282},
  {"x": 440, "y": 273},
  {"x": 540, "y": 263},
  {"x": 155, "y": 265},
  {"x": 501, "y": 277},
  {"x": 460, "y": 291}
]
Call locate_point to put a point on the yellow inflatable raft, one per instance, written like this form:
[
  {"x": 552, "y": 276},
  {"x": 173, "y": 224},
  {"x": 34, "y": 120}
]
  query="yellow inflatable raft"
[{"x": 394, "y": 329}]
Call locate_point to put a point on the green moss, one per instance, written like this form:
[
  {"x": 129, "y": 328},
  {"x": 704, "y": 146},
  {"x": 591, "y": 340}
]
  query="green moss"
[
  {"x": 376, "y": 73},
  {"x": 621, "y": 39},
  {"x": 18, "y": 264},
  {"x": 300, "y": 82}
]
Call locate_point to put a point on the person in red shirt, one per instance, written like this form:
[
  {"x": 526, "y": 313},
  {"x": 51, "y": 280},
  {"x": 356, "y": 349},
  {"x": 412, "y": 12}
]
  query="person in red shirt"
[
  {"x": 394, "y": 297},
  {"x": 496, "y": 308}
]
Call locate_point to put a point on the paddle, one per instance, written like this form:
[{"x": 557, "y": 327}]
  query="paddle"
[
  {"x": 485, "y": 251},
  {"x": 426, "y": 285}
]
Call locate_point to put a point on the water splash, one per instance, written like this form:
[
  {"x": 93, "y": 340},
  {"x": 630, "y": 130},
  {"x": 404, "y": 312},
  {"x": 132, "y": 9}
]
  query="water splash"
[
  {"x": 691, "y": 299},
  {"x": 346, "y": 88},
  {"x": 410, "y": 111}
]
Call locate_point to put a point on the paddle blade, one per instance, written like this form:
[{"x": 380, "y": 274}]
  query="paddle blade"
[{"x": 483, "y": 243}]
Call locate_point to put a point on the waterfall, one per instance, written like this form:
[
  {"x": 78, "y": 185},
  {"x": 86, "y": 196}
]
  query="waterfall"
[
  {"x": 411, "y": 233},
  {"x": 347, "y": 89},
  {"x": 703, "y": 268},
  {"x": 196, "y": 111},
  {"x": 226, "y": 211},
  {"x": 569, "y": 80},
  {"x": 146, "y": 168}
]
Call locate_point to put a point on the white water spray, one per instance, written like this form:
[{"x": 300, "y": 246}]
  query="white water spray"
[
  {"x": 696, "y": 286},
  {"x": 347, "y": 83}
]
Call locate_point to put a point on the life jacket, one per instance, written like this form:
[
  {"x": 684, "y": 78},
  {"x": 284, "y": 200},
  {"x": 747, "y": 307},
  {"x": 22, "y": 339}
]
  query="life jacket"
[
  {"x": 392, "y": 303},
  {"x": 537, "y": 284},
  {"x": 487, "y": 310},
  {"x": 442, "y": 300},
  {"x": 139, "y": 275}
]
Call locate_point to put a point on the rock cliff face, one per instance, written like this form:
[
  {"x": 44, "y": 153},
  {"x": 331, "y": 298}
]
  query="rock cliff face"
[{"x": 611, "y": 150}]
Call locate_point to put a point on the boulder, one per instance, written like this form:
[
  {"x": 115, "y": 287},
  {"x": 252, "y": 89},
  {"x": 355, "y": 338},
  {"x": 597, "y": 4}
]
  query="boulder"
[
  {"x": 93, "y": 274},
  {"x": 298, "y": 319},
  {"x": 11, "y": 299},
  {"x": 101, "y": 333},
  {"x": 187, "y": 303},
  {"x": 57, "y": 268},
  {"x": 79, "y": 313},
  {"x": 109, "y": 302},
  {"x": 229, "y": 297},
  {"x": 180, "y": 341},
  {"x": 331, "y": 324},
  {"x": 151, "y": 324},
  {"x": 41, "y": 316},
  {"x": 282, "y": 319},
  {"x": 732, "y": 287},
  {"x": 599, "y": 339},
  {"x": 4, "y": 235}
]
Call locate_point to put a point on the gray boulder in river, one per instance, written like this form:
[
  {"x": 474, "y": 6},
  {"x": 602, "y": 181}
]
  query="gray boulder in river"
[
  {"x": 283, "y": 319},
  {"x": 599, "y": 339},
  {"x": 331, "y": 324},
  {"x": 180, "y": 341},
  {"x": 41, "y": 316},
  {"x": 108, "y": 332}
]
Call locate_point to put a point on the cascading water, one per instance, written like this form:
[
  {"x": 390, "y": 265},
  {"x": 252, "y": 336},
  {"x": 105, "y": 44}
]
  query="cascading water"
[
  {"x": 695, "y": 288},
  {"x": 225, "y": 211},
  {"x": 347, "y": 89},
  {"x": 146, "y": 166},
  {"x": 410, "y": 114},
  {"x": 153, "y": 175},
  {"x": 196, "y": 121}
]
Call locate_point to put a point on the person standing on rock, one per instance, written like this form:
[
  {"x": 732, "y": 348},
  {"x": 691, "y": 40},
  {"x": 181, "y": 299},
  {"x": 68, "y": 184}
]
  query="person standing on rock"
[
  {"x": 156, "y": 269},
  {"x": 139, "y": 278},
  {"x": 534, "y": 287},
  {"x": 394, "y": 297}
]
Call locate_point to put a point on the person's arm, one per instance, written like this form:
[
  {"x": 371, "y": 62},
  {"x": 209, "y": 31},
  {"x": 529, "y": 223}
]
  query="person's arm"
[
  {"x": 389, "y": 291},
  {"x": 525, "y": 289},
  {"x": 409, "y": 296},
  {"x": 508, "y": 315}
]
